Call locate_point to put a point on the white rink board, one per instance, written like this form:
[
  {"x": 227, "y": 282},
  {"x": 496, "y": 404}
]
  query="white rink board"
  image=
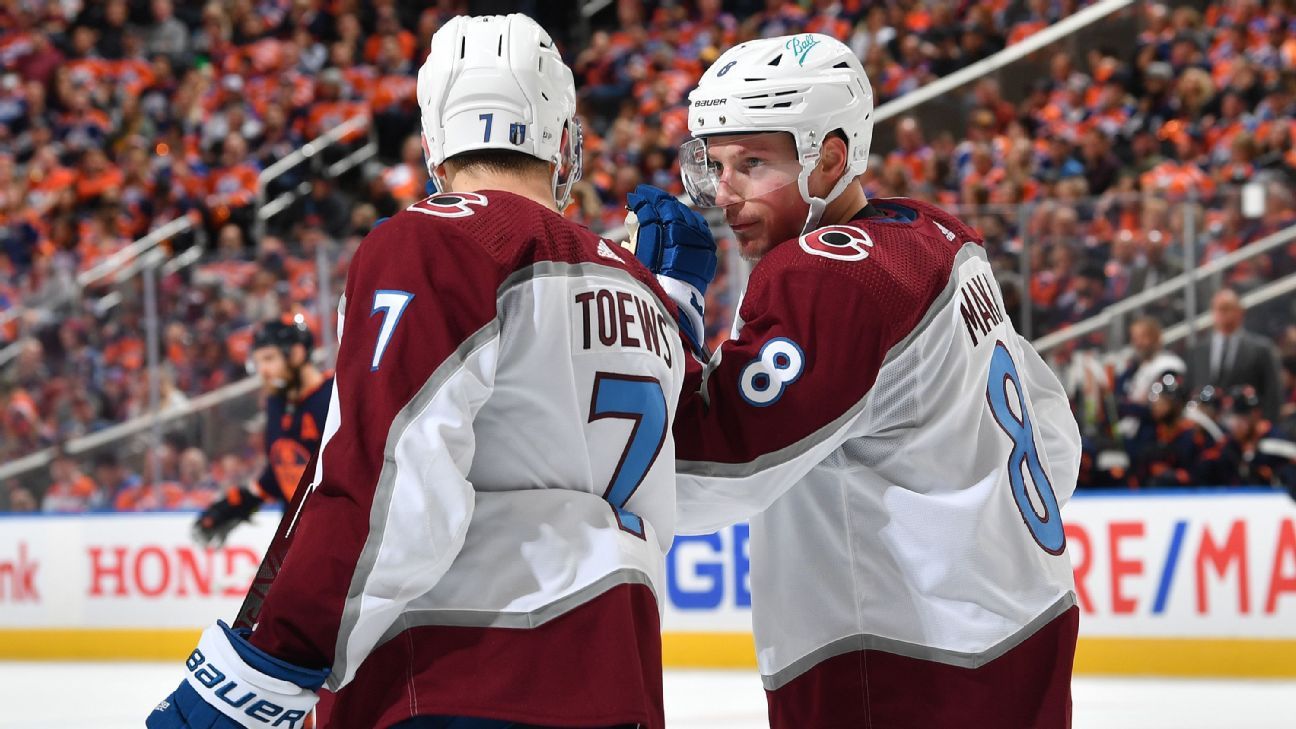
[
  {"x": 1233, "y": 573},
  {"x": 1185, "y": 565},
  {"x": 123, "y": 571}
]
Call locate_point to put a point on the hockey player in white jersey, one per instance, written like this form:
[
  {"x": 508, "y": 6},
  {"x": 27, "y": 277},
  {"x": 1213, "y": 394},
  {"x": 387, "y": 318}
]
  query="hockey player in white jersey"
[
  {"x": 901, "y": 452},
  {"x": 482, "y": 543}
]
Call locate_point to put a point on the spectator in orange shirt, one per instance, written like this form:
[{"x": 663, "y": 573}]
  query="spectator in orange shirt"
[
  {"x": 405, "y": 181},
  {"x": 392, "y": 99},
  {"x": 46, "y": 177},
  {"x": 197, "y": 487},
  {"x": 829, "y": 19},
  {"x": 1239, "y": 168},
  {"x": 388, "y": 26},
  {"x": 70, "y": 491},
  {"x": 1026, "y": 28},
  {"x": 231, "y": 188},
  {"x": 24, "y": 431},
  {"x": 331, "y": 109},
  {"x": 911, "y": 150},
  {"x": 98, "y": 176},
  {"x": 149, "y": 497}
]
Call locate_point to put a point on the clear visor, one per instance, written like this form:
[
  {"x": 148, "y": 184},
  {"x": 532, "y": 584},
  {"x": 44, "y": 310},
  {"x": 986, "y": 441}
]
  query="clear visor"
[
  {"x": 571, "y": 163},
  {"x": 722, "y": 171}
]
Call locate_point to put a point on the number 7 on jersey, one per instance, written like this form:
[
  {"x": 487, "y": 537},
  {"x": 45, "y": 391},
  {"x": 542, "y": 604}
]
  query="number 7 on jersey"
[
  {"x": 392, "y": 303},
  {"x": 640, "y": 400}
]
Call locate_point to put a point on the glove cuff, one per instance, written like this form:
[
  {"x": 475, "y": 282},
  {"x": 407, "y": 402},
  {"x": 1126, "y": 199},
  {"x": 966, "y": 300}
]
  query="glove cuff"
[
  {"x": 692, "y": 310},
  {"x": 246, "y": 684}
]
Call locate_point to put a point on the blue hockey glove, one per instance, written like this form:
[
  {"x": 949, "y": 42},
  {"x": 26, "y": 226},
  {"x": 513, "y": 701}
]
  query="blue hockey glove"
[
  {"x": 673, "y": 240},
  {"x": 675, "y": 243},
  {"x": 233, "y": 685}
]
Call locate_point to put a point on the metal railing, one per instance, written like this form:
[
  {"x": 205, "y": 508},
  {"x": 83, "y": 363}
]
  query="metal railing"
[
  {"x": 267, "y": 209},
  {"x": 1183, "y": 281},
  {"x": 145, "y": 259},
  {"x": 143, "y": 423},
  {"x": 1263, "y": 295},
  {"x": 962, "y": 77},
  {"x": 118, "y": 260},
  {"x": 126, "y": 263},
  {"x": 1011, "y": 54}
]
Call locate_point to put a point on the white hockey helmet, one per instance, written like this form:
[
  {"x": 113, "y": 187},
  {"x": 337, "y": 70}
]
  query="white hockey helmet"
[
  {"x": 498, "y": 82},
  {"x": 807, "y": 85}
]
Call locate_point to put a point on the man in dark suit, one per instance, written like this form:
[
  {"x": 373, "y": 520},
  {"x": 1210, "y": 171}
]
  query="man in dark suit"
[
  {"x": 1232, "y": 356},
  {"x": 1154, "y": 269}
]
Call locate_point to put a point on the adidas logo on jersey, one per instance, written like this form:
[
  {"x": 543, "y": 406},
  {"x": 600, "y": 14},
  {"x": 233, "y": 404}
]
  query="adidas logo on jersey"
[{"x": 606, "y": 251}]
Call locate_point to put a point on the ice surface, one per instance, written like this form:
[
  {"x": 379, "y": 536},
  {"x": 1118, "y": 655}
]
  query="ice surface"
[{"x": 51, "y": 695}]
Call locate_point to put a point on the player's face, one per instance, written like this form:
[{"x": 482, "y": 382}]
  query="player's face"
[
  {"x": 757, "y": 189},
  {"x": 271, "y": 367}
]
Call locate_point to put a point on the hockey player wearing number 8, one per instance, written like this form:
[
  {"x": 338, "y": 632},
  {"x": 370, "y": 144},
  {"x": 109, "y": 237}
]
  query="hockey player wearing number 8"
[
  {"x": 483, "y": 536},
  {"x": 902, "y": 454}
]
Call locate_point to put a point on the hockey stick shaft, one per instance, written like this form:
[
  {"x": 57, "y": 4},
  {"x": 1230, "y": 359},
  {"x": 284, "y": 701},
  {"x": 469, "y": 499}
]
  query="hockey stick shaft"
[{"x": 275, "y": 553}]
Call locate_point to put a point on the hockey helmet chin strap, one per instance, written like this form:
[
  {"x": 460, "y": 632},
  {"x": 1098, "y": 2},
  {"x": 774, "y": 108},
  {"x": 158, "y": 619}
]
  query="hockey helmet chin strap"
[
  {"x": 819, "y": 204},
  {"x": 571, "y": 163}
]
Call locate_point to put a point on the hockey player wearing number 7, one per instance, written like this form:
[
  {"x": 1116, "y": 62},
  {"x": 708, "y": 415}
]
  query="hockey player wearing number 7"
[
  {"x": 485, "y": 530},
  {"x": 901, "y": 452}
]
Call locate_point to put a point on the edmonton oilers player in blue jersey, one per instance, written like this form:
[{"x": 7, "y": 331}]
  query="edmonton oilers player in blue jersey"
[{"x": 296, "y": 406}]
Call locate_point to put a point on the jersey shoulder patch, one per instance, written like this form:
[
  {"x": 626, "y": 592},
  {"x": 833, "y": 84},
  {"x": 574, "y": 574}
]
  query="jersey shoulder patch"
[
  {"x": 891, "y": 269},
  {"x": 837, "y": 242}
]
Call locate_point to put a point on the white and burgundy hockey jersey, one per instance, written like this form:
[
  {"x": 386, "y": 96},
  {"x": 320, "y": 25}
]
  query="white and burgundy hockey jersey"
[
  {"x": 495, "y": 490},
  {"x": 902, "y": 455}
]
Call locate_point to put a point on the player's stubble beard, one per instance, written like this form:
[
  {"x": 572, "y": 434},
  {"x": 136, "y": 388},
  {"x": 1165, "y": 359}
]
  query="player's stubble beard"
[{"x": 768, "y": 224}]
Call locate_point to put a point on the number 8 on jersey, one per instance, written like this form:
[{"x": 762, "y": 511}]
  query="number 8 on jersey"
[{"x": 1046, "y": 528}]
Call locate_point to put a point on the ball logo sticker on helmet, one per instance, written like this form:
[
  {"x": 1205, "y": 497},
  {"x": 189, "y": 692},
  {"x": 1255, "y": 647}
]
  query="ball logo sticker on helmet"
[
  {"x": 517, "y": 133},
  {"x": 726, "y": 68},
  {"x": 838, "y": 242},
  {"x": 778, "y": 365},
  {"x": 450, "y": 204},
  {"x": 800, "y": 46}
]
